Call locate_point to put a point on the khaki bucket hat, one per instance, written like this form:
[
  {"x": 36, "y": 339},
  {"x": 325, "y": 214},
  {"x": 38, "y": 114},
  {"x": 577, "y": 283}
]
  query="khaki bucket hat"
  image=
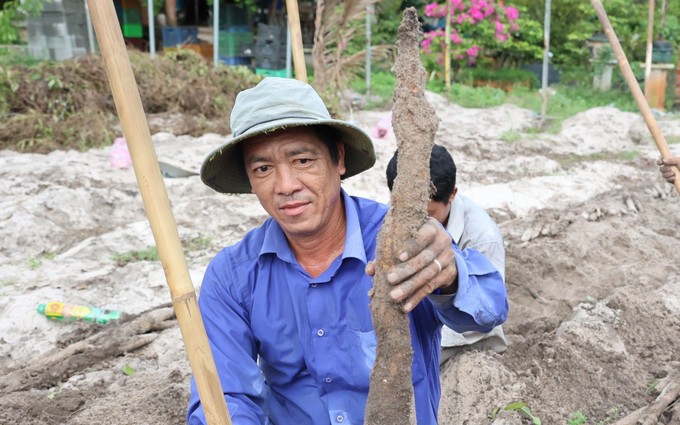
[{"x": 275, "y": 104}]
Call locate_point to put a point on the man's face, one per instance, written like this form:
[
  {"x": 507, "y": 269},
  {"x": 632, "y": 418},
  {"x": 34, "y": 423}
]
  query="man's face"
[
  {"x": 296, "y": 181},
  {"x": 440, "y": 210}
]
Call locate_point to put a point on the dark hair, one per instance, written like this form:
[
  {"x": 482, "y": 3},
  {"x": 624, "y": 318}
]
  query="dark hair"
[
  {"x": 330, "y": 137},
  {"x": 442, "y": 173}
]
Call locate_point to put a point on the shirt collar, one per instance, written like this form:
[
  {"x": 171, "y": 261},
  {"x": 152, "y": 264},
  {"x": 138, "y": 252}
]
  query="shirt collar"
[
  {"x": 456, "y": 219},
  {"x": 275, "y": 241},
  {"x": 354, "y": 239}
]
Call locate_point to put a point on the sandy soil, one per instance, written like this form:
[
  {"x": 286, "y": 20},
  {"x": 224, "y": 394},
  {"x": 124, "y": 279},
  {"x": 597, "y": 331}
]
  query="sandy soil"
[{"x": 592, "y": 271}]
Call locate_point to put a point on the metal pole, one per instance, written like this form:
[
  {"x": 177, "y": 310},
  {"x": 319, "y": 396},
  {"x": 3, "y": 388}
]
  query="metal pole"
[
  {"x": 648, "y": 55},
  {"x": 447, "y": 51},
  {"x": 369, "y": 16},
  {"x": 152, "y": 29},
  {"x": 546, "y": 58},
  {"x": 90, "y": 31},
  {"x": 216, "y": 33}
]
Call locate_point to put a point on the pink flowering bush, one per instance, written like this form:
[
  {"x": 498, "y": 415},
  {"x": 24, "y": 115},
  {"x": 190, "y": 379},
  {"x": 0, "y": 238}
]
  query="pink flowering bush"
[{"x": 477, "y": 26}]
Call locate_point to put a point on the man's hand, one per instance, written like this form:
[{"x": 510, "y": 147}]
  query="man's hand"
[
  {"x": 668, "y": 168},
  {"x": 428, "y": 263}
]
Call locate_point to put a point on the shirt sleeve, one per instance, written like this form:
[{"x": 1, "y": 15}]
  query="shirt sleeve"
[
  {"x": 481, "y": 302},
  {"x": 233, "y": 348}
]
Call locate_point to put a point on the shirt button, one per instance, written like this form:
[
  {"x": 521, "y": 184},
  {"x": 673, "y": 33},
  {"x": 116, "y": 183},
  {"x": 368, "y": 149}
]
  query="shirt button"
[
  {"x": 340, "y": 418},
  {"x": 329, "y": 380},
  {"x": 313, "y": 285},
  {"x": 320, "y": 332}
]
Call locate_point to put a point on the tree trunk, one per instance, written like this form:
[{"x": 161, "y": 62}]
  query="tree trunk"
[
  {"x": 171, "y": 12},
  {"x": 318, "y": 48},
  {"x": 390, "y": 398}
]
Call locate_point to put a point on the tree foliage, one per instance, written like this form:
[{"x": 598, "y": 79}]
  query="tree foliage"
[
  {"x": 12, "y": 11},
  {"x": 573, "y": 22}
]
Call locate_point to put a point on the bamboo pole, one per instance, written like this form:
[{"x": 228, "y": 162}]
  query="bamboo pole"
[
  {"x": 296, "y": 35},
  {"x": 627, "y": 72},
  {"x": 155, "y": 197}
]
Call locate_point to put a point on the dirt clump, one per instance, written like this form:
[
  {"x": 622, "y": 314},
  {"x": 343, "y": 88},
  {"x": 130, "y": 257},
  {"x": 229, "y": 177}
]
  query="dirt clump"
[{"x": 390, "y": 397}]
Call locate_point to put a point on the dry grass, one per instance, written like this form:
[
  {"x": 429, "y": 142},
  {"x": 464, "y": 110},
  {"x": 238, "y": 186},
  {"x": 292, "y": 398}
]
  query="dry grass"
[{"x": 68, "y": 105}]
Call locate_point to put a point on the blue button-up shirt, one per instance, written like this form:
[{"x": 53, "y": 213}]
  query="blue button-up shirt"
[{"x": 291, "y": 349}]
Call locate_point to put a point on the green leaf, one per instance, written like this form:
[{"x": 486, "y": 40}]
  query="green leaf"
[
  {"x": 515, "y": 406},
  {"x": 128, "y": 370}
]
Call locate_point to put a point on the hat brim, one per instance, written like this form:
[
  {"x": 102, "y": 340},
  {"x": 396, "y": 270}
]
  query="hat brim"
[{"x": 224, "y": 172}]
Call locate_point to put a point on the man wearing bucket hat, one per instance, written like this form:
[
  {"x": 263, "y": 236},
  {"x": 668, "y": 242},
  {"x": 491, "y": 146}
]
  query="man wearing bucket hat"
[{"x": 286, "y": 309}]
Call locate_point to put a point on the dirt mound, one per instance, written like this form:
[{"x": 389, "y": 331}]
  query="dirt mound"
[
  {"x": 592, "y": 272},
  {"x": 593, "y": 319}
]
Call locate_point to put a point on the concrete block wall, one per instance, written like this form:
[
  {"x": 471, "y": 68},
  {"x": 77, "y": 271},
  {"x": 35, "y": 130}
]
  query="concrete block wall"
[{"x": 60, "y": 32}]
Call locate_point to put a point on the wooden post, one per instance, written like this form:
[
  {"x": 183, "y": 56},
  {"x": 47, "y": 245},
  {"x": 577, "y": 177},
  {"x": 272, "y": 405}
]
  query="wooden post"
[
  {"x": 627, "y": 72},
  {"x": 662, "y": 19},
  {"x": 155, "y": 197},
  {"x": 296, "y": 38},
  {"x": 170, "y": 12}
]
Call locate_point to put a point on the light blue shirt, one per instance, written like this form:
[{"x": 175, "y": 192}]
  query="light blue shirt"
[
  {"x": 472, "y": 228},
  {"x": 291, "y": 349}
]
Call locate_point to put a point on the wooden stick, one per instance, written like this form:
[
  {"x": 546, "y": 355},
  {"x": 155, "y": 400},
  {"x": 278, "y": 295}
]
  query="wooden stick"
[
  {"x": 155, "y": 197},
  {"x": 649, "y": 415},
  {"x": 675, "y": 414},
  {"x": 129, "y": 333},
  {"x": 296, "y": 40},
  {"x": 634, "y": 87}
]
